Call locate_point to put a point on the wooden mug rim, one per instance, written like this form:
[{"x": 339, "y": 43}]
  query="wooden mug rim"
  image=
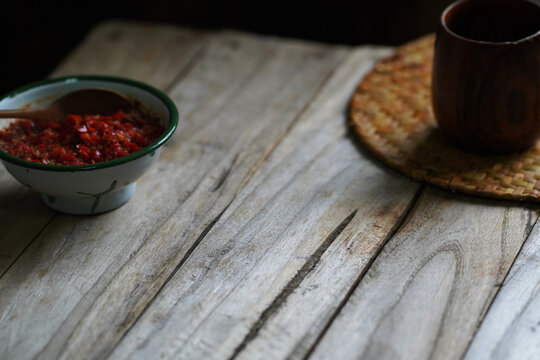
[{"x": 458, "y": 3}]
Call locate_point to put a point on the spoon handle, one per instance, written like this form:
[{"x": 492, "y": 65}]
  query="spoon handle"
[{"x": 44, "y": 115}]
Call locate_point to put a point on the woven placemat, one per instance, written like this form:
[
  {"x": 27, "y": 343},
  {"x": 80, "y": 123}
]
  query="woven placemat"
[{"x": 391, "y": 112}]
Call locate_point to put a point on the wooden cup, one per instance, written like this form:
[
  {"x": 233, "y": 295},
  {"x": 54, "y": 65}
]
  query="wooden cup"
[{"x": 486, "y": 75}]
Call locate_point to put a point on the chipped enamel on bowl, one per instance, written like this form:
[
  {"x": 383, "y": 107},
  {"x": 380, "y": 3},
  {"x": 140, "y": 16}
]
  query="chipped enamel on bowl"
[{"x": 94, "y": 188}]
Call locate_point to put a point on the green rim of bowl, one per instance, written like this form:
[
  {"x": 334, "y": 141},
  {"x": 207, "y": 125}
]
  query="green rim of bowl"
[{"x": 171, "y": 125}]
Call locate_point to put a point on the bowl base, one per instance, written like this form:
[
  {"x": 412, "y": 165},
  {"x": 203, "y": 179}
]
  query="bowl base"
[{"x": 91, "y": 204}]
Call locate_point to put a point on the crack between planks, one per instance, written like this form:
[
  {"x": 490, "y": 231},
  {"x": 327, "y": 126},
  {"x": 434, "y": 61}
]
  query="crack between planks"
[
  {"x": 30, "y": 243},
  {"x": 181, "y": 75},
  {"x": 189, "y": 66},
  {"x": 499, "y": 286},
  {"x": 292, "y": 285},
  {"x": 201, "y": 236},
  {"x": 225, "y": 174},
  {"x": 186, "y": 69},
  {"x": 133, "y": 253},
  {"x": 400, "y": 223}
]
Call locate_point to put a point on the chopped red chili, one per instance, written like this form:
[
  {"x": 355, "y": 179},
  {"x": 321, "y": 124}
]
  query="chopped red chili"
[{"x": 81, "y": 139}]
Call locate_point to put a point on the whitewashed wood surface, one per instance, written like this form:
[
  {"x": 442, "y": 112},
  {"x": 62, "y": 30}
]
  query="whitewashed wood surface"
[{"x": 264, "y": 230}]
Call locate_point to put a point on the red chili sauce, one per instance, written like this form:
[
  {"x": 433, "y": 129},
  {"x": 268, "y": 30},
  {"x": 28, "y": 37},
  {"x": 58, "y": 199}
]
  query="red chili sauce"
[{"x": 81, "y": 139}]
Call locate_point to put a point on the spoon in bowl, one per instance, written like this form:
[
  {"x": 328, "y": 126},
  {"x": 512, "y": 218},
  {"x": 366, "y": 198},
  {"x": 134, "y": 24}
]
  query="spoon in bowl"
[{"x": 85, "y": 101}]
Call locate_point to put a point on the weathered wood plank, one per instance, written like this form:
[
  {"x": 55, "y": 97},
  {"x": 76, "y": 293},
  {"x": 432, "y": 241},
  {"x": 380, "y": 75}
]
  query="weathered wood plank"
[
  {"x": 98, "y": 273},
  {"x": 315, "y": 191},
  {"x": 510, "y": 329},
  {"x": 23, "y": 216},
  {"x": 114, "y": 48},
  {"x": 426, "y": 293},
  {"x": 244, "y": 131}
]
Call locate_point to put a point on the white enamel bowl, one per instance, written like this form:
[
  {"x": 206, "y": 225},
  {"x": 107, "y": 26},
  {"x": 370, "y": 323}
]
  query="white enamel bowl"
[{"x": 95, "y": 188}]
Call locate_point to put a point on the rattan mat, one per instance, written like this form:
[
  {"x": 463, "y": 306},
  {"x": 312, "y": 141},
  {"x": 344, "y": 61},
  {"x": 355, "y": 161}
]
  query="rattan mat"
[{"x": 391, "y": 112}]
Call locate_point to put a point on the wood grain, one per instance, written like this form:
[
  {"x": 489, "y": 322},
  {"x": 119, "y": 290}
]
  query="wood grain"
[
  {"x": 241, "y": 135},
  {"x": 502, "y": 117},
  {"x": 115, "y": 48},
  {"x": 51, "y": 277},
  {"x": 510, "y": 329},
  {"x": 429, "y": 288},
  {"x": 99, "y": 273},
  {"x": 311, "y": 193},
  {"x": 264, "y": 230}
]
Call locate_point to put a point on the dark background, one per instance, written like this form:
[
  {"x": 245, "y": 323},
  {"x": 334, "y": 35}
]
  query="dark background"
[{"x": 38, "y": 34}]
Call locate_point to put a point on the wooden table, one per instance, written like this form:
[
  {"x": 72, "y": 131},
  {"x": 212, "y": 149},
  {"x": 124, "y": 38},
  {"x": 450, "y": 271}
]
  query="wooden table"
[{"x": 264, "y": 230}]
